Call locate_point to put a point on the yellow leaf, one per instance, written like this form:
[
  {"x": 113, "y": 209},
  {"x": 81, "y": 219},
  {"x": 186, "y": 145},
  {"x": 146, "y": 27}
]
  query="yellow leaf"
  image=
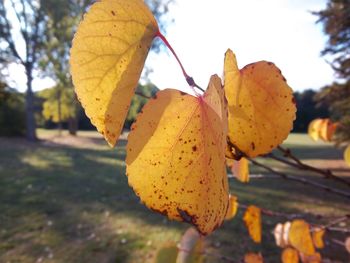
[
  {"x": 240, "y": 169},
  {"x": 314, "y": 129},
  {"x": 347, "y": 155},
  {"x": 290, "y": 255},
  {"x": 252, "y": 220},
  {"x": 317, "y": 237},
  {"x": 261, "y": 106},
  {"x": 176, "y": 156},
  {"x": 253, "y": 258},
  {"x": 300, "y": 237},
  {"x": 107, "y": 57},
  {"x": 232, "y": 207}
]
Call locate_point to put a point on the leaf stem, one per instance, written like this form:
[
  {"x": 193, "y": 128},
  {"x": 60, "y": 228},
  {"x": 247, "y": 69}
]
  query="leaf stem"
[{"x": 190, "y": 81}]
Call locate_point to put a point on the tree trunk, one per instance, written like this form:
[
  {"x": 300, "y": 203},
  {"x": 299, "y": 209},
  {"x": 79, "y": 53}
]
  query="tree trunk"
[
  {"x": 59, "y": 126},
  {"x": 73, "y": 126},
  {"x": 30, "y": 119}
]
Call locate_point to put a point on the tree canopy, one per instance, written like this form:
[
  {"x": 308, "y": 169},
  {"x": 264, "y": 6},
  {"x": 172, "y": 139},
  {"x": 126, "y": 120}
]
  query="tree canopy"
[{"x": 335, "y": 19}]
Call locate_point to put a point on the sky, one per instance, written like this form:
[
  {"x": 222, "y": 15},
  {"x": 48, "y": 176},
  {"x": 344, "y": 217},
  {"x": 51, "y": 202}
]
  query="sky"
[{"x": 281, "y": 31}]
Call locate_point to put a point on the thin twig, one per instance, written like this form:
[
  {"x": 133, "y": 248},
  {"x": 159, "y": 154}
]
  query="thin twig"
[
  {"x": 142, "y": 95},
  {"x": 338, "y": 242},
  {"x": 271, "y": 213},
  {"x": 339, "y": 229},
  {"x": 302, "y": 166},
  {"x": 190, "y": 80},
  {"x": 302, "y": 180},
  {"x": 336, "y": 221}
]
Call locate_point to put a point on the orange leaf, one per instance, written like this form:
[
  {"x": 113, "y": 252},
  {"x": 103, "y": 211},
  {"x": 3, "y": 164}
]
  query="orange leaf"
[
  {"x": 107, "y": 57},
  {"x": 232, "y": 207},
  {"x": 240, "y": 169},
  {"x": 317, "y": 237},
  {"x": 300, "y": 237},
  {"x": 290, "y": 255},
  {"x": 261, "y": 106},
  {"x": 253, "y": 258},
  {"x": 175, "y": 156},
  {"x": 252, "y": 220},
  {"x": 324, "y": 129}
]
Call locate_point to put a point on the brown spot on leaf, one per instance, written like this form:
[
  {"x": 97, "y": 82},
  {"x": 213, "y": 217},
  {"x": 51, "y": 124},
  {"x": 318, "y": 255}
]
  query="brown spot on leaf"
[{"x": 253, "y": 146}]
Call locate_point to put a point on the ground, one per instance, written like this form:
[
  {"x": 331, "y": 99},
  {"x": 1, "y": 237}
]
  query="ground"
[{"x": 66, "y": 199}]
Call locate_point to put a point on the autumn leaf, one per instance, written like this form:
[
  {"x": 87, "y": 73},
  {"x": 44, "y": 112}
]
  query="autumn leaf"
[
  {"x": 253, "y": 258},
  {"x": 281, "y": 233},
  {"x": 322, "y": 129},
  {"x": 261, "y": 106},
  {"x": 232, "y": 207},
  {"x": 252, "y": 220},
  {"x": 176, "y": 156},
  {"x": 325, "y": 123},
  {"x": 347, "y": 155},
  {"x": 107, "y": 57},
  {"x": 290, "y": 255},
  {"x": 317, "y": 237},
  {"x": 240, "y": 169},
  {"x": 300, "y": 237},
  {"x": 314, "y": 129}
]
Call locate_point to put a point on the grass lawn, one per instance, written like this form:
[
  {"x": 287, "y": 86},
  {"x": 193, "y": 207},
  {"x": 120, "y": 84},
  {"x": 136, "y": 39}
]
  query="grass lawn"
[{"x": 67, "y": 200}]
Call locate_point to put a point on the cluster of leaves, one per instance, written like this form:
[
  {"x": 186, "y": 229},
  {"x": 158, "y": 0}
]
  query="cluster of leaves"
[
  {"x": 178, "y": 145},
  {"x": 325, "y": 130}
]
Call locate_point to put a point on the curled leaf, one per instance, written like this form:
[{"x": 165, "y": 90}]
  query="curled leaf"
[
  {"x": 281, "y": 233},
  {"x": 107, "y": 57},
  {"x": 261, "y": 106},
  {"x": 317, "y": 237},
  {"x": 240, "y": 169},
  {"x": 232, "y": 207},
  {"x": 300, "y": 237},
  {"x": 290, "y": 255},
  {"x": 175, "y": 156},
  {"x": 252, "y": 220}
]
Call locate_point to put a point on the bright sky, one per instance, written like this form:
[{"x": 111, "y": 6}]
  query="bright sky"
[{"x": 281, "y": 31}]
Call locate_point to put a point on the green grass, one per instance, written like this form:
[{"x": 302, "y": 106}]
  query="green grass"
[{"x": 62, "y": 201}]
